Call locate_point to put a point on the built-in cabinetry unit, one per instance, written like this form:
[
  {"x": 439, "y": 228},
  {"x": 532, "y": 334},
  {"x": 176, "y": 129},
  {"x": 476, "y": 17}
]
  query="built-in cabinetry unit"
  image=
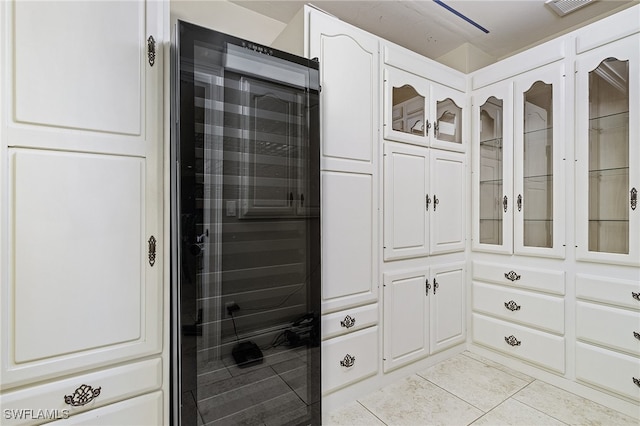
[
  {"x": 82, "y": 212},
  {"x": 350, "y": 198}
]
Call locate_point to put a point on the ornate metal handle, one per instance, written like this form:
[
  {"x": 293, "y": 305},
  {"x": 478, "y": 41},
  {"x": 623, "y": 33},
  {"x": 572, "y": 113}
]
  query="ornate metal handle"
[
  {"x": 519, "y": 202},
  {"x": 634, "y": 198},
  {"x": 348, "y": 361},
  {"x": 511, "y": 340},
  {"x": 427, "y": 127},
  {"x": 512, "y": 306},
  {"x": 151, "y": 50},
  {"x": 635, "y": 296},
  {"x": 152, "y": 250},
  {"x": 82, "y": 396},
  {"x": 505, "y": 203},
  {"x": 435, "y": 285},
  {"x": 427, "y": 201},
  {"x": 435, "y": 202},
  {"x": 348, "y": 322},
  {"x": 636, "y": 335},
  {"x": 512, "y": 276},
  {"x": 636, "y": 381},
  {"x": 427, "y": 286}
]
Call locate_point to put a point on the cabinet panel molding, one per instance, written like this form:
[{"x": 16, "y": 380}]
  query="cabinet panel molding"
[
  {"x": 609, "y": 29},
  {"x": 613, "y": 291},
  {"x": 513, "y": 275},
  {"x": 608, "y": 326}
]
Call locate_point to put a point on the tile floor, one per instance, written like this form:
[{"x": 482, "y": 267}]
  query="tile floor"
[{"x": 470, "y": 390}]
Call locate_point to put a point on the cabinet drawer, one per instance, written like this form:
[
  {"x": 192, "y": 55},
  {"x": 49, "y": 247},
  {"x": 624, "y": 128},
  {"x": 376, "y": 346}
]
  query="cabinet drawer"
[
  {"x": 546, "y": 350},
  {"x": 144, "y": 410},
  {"x": 609, "y": 370},
  {"x": 524, "y": 307},
  {"x": 624, "y": 293},
  {"x": 114, "y": 384},
  {"x": 349, "y": 320},
  {"x": 347, "y": 359},
  {"x": 516, "y": 276},
  {"x": 608, "y": 326}
]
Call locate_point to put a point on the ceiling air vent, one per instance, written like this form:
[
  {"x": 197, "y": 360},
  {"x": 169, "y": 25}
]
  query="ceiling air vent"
[{"x": 564, "y": 7}]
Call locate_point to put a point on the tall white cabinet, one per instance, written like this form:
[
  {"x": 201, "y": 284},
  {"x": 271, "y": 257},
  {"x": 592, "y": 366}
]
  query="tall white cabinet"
[{"x": 82, "y": 216}]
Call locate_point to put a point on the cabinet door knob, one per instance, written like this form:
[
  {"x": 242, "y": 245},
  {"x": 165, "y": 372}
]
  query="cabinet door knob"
[
  {"x": 152, "y": 250},
  {"x": 505, "y": 203},
  {"x": 82, "y": 396},
  {"x": 512, "y": 276},
  {"x": 634, "y": 198},
  {"x": 428, "y": 286},
  {"x": 512, "y": 306},
  {"x": 427, "y": 201},
  {"x": 436, "y": 285},
  {"x": 435, "y": 202},
  {"x": 511, "y": 340},
  {"x": 348, "y": 322},
  {"x": 348, "y": 361},
  {"x": 635, "y": 295},
  {"x": 519, "y": 202},
  {"x": 151, "y": 50}
]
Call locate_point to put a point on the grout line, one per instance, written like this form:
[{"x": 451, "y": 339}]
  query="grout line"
[
  {"x": 535, "y": 408},
  {"x": 372, "y": 413}
]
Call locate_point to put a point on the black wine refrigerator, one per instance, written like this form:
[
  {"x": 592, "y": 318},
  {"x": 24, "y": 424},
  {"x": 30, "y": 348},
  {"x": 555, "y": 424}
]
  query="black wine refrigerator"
[{"x": 245, "y": 210}]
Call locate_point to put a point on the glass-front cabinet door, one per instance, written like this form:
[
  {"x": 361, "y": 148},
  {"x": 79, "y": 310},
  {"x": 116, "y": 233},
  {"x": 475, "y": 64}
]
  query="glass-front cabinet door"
[
  {"x": 608, "y": 153},
  {"x": 492, "y": 168},
  {"x": 422, "y": 112},
  {"x": 539, "y": 162}
]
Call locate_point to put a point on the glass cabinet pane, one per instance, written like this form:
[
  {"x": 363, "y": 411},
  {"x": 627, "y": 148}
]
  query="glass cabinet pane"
[
  {"x": 536, "y": 202},
  {"x": 491, "y": 175},
  {"x": 448, "y": 125},
  {"x": 609, "y": 157},
  {"x": 408, "y": 111}
]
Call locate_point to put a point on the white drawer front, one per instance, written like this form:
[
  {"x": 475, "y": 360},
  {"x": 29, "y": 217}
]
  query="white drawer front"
[
  {"x": 524, "y": 307},
  {"x": 608, "y": 326},
  {"x": 624, "y": 293},
  {"x": 546, "y": 350},
  {"x": 349, "y": 320},
  {"x": 144, "y": 410},
  {"x": 607, "y": 369},
  {"x": 347, "y": 359},
  {"x": 114, "y": 384},
  {"x": 520, "y": 277}
]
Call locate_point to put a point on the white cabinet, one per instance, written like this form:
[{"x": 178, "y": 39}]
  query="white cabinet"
[
  {"x": 607, "y": 152},
  {"x": 422, "y": 112},
  {"x": 423, "y": 201},
  {"x": 349, "y": 160},
  {"x": 520, "y": 311},
  {"x": 82, "y": 207},
  {"x": 423, "y": 312},
  {"x": 518, "y": 165},
  {"x": 608, "y": 333}
]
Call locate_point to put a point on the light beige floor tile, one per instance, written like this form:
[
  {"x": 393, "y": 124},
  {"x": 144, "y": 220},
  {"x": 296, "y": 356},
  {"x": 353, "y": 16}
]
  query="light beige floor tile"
[
  {"x": 570, "y": 408},
  {"x": 483, "y": 386},
  {"x": 352, "y": 414},
  {"x": 415, "y": 401},
  {"x": 500, "y": 367},
  {"x": 514, "y": 413}
]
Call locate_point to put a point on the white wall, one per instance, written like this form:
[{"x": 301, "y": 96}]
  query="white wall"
[{"x": 229, "y": 18}]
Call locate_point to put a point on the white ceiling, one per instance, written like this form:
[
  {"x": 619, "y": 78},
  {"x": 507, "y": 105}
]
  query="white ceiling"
[{"x": 429, "y": 29}]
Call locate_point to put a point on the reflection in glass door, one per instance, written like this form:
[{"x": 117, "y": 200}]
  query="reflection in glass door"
[{"x": 246, "y": 243}]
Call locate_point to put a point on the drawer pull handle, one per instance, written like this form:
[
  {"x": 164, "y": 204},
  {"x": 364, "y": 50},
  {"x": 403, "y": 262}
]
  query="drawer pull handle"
[
  {"x": 511, "y": 305},
  {"x": 348, "y": 361},
  {"x": 82, "y": 396},
  {"x": 511, "y": 340},
  {"x": 636, "y": 381},
  {"x": 636, "y": 335},
  {"x": 512, "y": 276},
  {"x": 636, "y": 296},
  {"x": 348, "y": 322}
]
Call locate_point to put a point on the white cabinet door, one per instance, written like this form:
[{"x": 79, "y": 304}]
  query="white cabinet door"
[
  {"x": 447, "y": 307},
  {"x": 492, "y": 184},
  {"x": 449, "y": 118},
  {"x": 447, "y": 179},
  {"x": 607, "y": 152},
  {"x": 349, "y": 98},
  {"x": 406, "y": 201},
  {"x": 406, "y": 317},
  {"x": 539, "y": 162},
  {"x": 83, "y": 211}
]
